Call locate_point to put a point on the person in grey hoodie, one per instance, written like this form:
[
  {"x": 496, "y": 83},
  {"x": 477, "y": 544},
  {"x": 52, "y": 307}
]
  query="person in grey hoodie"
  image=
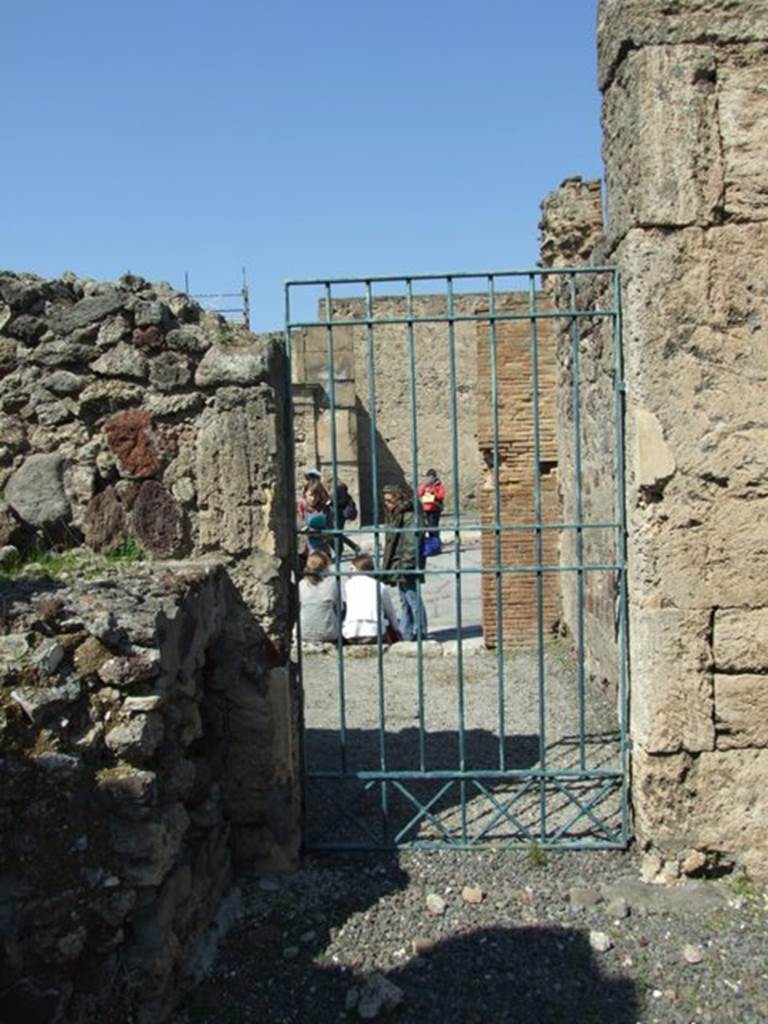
[{"x": 319, "y": 601}]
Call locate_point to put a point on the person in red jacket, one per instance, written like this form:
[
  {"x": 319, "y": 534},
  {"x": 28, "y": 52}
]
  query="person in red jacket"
[{"x": 432, "y": 497}]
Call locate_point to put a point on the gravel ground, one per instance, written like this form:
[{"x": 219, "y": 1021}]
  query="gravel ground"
[
  {"x": 481, "y": 937},
  {"x": 421, "y": 729},
  {"x": 553, "y": 939},
  {"x": 518, "y": 936}
]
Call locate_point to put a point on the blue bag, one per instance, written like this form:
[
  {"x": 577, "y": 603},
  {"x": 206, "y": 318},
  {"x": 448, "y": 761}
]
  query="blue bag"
[{"x": 431, "y": 546}]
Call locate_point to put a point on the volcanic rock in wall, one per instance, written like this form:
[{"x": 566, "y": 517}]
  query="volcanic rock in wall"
[
  {"x": 36, "y": 490},
  {"x": 105, "y": 524},
  {"x": 157, "y": 521},
  {"x": 129, "y": 435}
]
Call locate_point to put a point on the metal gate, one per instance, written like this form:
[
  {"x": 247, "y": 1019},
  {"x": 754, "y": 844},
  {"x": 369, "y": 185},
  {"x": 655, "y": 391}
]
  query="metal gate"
[{"x": 503, "y": 720}]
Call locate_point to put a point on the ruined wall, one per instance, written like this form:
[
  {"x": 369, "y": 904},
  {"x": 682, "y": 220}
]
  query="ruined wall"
[
  {"x": 685, "y": 144},
  {"x": 148, "y": 722},
  {"x": 136, "y": 713},
  {"x": 572, "y": 236},
  {"x": 516, "y": 469},
  {"x": 129, "y": 413}
]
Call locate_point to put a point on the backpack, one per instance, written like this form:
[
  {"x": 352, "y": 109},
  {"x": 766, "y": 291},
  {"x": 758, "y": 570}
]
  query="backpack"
[{"x": 350, "y": 508}]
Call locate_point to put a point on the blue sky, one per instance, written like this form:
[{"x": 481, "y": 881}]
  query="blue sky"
[{"x": 296, "y": 139}]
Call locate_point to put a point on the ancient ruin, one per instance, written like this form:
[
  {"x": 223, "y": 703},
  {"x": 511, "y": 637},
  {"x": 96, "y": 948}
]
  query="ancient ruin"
[{"x": 149, "y": 708}]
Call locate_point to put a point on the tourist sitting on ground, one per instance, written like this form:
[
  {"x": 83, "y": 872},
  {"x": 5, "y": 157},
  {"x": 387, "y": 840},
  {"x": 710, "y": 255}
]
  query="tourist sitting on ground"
[
  {"x": 370, "y": 613},
  {"x": 319, "y": 601}
]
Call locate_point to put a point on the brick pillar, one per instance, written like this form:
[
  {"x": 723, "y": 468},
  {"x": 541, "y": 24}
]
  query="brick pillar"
[{"x": 517, "y": 471}]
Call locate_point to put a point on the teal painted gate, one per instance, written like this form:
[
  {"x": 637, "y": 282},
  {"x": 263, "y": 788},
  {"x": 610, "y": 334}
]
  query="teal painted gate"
[{"x": 504, "y": 720}]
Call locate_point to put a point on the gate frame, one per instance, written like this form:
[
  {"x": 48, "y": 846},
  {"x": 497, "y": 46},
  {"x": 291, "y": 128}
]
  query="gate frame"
[{"x": 619, "y": 777}]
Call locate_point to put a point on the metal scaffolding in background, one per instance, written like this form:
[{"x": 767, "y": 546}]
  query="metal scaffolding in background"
[{"x": 218, "y": 302}]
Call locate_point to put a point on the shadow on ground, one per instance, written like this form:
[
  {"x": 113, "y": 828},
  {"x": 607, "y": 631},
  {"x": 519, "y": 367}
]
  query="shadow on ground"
[
  {"x": 348, "y": 811},
  {"x": 270, "y": 973}
]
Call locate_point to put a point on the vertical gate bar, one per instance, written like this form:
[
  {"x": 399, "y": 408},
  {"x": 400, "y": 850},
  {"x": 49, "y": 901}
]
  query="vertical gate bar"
[
  {"x": 621, "y": 513},
  {"x": 336, "y": 541},
  {"x": 539, "y": 550},
  {"x": 294, "y": 550},
  {"x": 457, "y": 546},
  {"x": 375, "y": 486},
  {"x": 415, "y": 469},
  {"x": 576, "y": 399},
  {"x": 497, "y": 520}
]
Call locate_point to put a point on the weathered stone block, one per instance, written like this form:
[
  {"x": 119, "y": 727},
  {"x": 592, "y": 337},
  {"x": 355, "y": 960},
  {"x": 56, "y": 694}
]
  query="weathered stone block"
[
  {"x": 627, "y": 25},
  {"x": 661, "y": 141},
  {"x": 232, "y": 364},
  {"x": 112, "y": 331},
  {"x": 90, "y": 656},
  {"x": 672, "y": 699},
  {"x": 149, "y": 313},
  {"x": 654, "y": 462},
  {"x": 150, "y": 847},
  {"x": 103, "y": 397},
  {"x": 346, "y": 434},
  {"x": 88, "y": 311},
  {"x": 150, "y": 338},
  {"x": 698, "y": 552},
  {"x": 190, "y": 339},
  {"x": 169, "y": 370},
  {"x": 743, "y": 122},
  {"x": 121, "y": 361},
  {"x": 64, "y": 382},
  {"x": 137, "y": 739},
  {"x": 716, "y": 802},
  {"x": 741, "y": 639},
  {"x": 741, "y": 709},
  {"x": 40, "y": 702},
  {"x": 122, "y": 788},
  {"x": 230, "y": 453},
  {"x": 36, "y": 490}
]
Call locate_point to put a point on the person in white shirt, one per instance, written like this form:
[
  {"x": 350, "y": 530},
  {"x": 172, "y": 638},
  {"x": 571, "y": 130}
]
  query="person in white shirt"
[{"x": 362, "y": 624}]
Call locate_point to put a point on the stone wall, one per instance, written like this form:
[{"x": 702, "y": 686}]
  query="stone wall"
[
  {"x": 572, "y": 236},
  {"x": 515, "y": 465},
  {"x": 127, "y": 413},
  {"x": 685, "y": 118},
  {"x": 148, "y": 722},
  {"x": 137, "y": 714}
]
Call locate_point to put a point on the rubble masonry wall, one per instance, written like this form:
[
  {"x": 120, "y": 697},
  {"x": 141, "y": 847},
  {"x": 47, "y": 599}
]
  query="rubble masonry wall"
[{"x": 148, "y": 713}]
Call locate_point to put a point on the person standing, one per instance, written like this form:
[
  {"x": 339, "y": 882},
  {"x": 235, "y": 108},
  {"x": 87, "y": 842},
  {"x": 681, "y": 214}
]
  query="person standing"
[
  {"x": 311, "y": 476},
  {"x": 432, "y": 497},
  {"x": 338, "y": 513},
  {"x": 315, "y": 518},
  {"x": 403, "y": 561}
]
